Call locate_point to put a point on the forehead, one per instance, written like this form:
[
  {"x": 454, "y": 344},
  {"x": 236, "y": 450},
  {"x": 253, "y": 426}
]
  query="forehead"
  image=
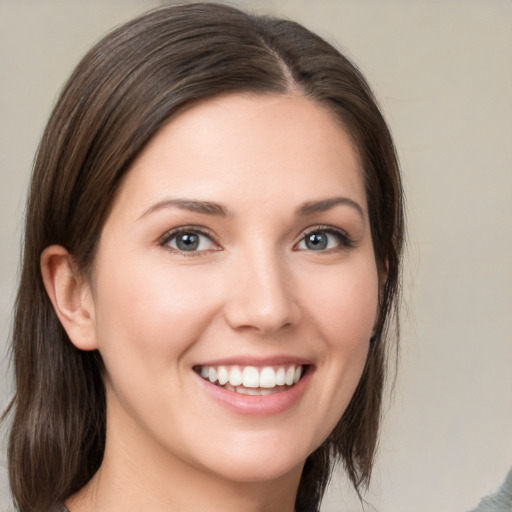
[{"x": 237, "y": 147}]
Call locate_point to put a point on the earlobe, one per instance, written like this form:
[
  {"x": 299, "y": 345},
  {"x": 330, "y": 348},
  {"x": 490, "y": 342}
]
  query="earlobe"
[{"x": 70, "y": 295}]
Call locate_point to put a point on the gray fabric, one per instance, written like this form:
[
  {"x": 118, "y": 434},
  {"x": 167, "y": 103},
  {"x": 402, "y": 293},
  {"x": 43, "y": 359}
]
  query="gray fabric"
[{"x": 501, "y": 501}]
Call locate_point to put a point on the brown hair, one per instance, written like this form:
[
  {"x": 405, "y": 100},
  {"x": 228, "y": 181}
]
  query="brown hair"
[{"x": 121, "y": 93}]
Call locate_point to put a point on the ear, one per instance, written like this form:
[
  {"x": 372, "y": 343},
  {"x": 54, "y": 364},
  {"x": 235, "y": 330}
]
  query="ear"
[
  {"x": 382, "y": 274},
  {"x": 70, "y": 295},
  {"x": 383, "y": 270}
]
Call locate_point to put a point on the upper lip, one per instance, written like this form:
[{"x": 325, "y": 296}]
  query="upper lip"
[{"x": 256, "y": 361}]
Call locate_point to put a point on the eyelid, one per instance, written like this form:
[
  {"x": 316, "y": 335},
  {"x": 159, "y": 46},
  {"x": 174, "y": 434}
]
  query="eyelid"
[
  {"x": 198, "y": 230},
  {"x": 346, "y": 242}
]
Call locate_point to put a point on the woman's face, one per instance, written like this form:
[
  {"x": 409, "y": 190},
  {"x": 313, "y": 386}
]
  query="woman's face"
[{"x": 238, "y": 249}]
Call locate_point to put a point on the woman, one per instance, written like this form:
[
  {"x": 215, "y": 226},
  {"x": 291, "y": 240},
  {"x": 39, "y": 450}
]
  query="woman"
[{"x": 211, "y": 265}]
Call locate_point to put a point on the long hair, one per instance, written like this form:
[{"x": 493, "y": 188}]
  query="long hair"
[{"x": 122, "y": 92}]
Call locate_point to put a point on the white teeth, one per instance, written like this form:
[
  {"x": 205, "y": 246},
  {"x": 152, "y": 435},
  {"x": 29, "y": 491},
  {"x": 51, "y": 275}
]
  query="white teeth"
[
  {"x": 298, "y": 373},
  {"x": 251, "y": 377},
  {"x": 290, "y": 375},
  {"x": 249, "y": 391},
  {"x": 212, "y": 374},
  {"x": 222, "y": 375},
  {"x": 235, "y": 377},
  {"x": 252, "y": 391},
  {"x": 267, "y": 378},
  {"x": 281, "y": 377}
]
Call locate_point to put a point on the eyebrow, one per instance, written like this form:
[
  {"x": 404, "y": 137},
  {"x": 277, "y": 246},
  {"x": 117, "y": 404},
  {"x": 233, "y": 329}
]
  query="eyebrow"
[
  {"x": 217, "y": 209},
  {"x": 312, "y": 207},
  {"x": 192, "y": 205}
]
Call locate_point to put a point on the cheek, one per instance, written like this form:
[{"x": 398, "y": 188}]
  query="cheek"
[
  {"x": 344, "y": 303},
  {"x": 344, "y": 311},
  {"x": 154, "y": 310},
  {"x": 148, "y": 320}
]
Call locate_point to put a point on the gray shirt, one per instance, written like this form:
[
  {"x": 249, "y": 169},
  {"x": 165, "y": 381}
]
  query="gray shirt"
[{"x": 500, "y": 501}]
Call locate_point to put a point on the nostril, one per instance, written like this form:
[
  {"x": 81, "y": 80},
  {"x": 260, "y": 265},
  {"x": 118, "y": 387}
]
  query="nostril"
[
  {"x": 265, "y": 320},
  {"x": 260, "y": 296}
]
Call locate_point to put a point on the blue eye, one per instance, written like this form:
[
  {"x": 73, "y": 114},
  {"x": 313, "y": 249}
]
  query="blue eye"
[
  {"x": 189, "y": 241},
  {"x": 323, "y": 240}
]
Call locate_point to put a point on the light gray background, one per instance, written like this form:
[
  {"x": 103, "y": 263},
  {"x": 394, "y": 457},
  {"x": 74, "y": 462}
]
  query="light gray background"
[{"x": 443, "y": 73}]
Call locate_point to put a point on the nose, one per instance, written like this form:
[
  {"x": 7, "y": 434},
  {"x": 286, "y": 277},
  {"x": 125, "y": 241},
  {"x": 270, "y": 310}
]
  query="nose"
[{"x": 261, "y": 295}]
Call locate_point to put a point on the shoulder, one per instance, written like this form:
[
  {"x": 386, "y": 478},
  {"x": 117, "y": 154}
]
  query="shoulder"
[{"x": 500, "y": 501}]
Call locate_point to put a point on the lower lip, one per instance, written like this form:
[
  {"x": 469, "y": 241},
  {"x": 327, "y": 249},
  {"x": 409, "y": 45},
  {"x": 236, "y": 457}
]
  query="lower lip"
[{"x": 258, "y": 405}]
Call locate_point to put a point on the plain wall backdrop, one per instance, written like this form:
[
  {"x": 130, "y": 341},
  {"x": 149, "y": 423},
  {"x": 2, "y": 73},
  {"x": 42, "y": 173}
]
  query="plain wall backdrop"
[{"x": 443, "y": 74}]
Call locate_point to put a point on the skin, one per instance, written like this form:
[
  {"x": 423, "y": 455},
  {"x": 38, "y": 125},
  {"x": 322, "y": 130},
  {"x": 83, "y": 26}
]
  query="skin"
[{"x": 253, "y": 290}]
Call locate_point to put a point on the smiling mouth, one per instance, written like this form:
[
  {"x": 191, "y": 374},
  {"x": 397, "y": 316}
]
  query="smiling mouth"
[{"x": 251, "y": 380}]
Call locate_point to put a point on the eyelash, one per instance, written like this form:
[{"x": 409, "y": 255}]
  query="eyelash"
[
  {"x": 185, "y": 230},
  {"x": 344, "y": 240}
]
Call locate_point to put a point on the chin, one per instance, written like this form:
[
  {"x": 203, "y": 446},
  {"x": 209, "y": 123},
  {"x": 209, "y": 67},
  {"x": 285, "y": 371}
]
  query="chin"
[
  {"x": 263, "y": 458},
  {"x": 258, "y": 471}
]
